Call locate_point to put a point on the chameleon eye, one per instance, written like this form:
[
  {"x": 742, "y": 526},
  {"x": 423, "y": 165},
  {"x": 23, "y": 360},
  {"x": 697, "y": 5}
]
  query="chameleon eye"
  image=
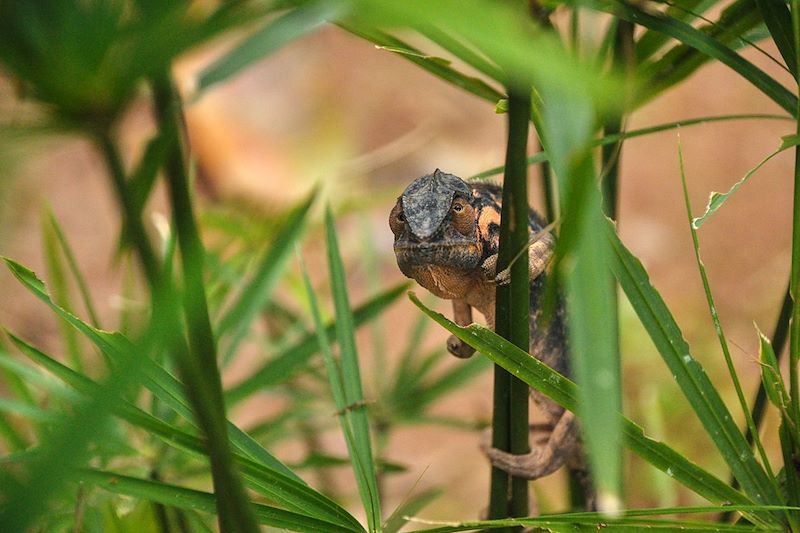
[
  {"x": 463, "y": 219},
  {"x": 397, "y": 219}
]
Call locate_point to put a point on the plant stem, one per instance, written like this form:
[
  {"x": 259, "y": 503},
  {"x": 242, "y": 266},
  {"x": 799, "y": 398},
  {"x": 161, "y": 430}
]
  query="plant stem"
[
  {"x": 512, "y": 312},
  {"x": 198, "y": 363},
  {"x": 791, "y": 449},
  {"x": 134, "y": 231}
]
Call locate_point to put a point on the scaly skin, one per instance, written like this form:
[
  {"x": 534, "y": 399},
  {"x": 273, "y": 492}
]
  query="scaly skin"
[{"x": 447, "y": 234}]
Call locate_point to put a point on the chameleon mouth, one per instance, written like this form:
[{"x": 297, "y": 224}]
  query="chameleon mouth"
[
  {"x": 463, "y": 257},
  {"x": 443, "y": 281}
]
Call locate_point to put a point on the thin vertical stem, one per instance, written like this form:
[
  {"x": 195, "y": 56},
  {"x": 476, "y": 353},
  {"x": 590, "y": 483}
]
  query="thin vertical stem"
[
  {"x": 790, "y": 448},
  {"x": 198, "y": 363},
  {"x": 509, "y": 497},
  {"x": 794, "y": 287},
  {"x": 133, "y": 228}
]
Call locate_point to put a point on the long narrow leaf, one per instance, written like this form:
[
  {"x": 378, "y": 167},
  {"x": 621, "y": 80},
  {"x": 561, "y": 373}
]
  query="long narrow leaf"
[
  {"x": 184, "y": 498},
  {"x": 703, "y": 43},
  {"x": 716, "y": 199},
  {"x": 351, "y": 376},
  {"x": 779, "y": 22},
  {"x": 712, "y": 308},
  {"x": 281, "y": 488},
  {"x": 160, "y": 382},
  {"x": 449, "y": 74},
  {"x": 270, "y": 38},
  {"x": 652, "y": 41},
  {"x": 629, "y": 521},
  {"x": 285, "y": 364},
  {"x": 258, "y": 290},
  {"x": 542, "y": 157},
  {"x": 689, "y": 374},
  {"x": 26, "y": 498},
  {"x": 564, "y": 392}
]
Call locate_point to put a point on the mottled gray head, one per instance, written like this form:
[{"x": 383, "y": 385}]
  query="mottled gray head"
[
  {"x": 435, "y": 233},
  {"x": 426, "y": 202}
]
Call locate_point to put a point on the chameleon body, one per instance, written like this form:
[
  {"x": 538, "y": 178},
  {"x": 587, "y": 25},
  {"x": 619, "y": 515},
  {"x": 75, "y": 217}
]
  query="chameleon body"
[{"x": 446, "y": 237}]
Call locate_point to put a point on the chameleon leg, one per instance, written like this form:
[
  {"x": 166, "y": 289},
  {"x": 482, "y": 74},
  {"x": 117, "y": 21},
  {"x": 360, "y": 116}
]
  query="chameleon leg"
[
  {"x": 462, "y": 315},
  {"x": 543, "y": 459},
  {"x": 539, "y": 254}
]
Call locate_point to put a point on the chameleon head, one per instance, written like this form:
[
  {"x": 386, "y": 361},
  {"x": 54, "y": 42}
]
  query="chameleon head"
[{"x": 436, "y": 241}]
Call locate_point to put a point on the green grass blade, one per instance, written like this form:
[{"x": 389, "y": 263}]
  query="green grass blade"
[
  {"x": 257, "y": 292},
  {"x": 453, "y": 379},
  {"x": 345, "y": 412},
  {"x": 351, "y": 375},
  {"x": 287, "y": 490},
  {"x": 633, "y": 521},
  {"x": 704, "y": 44},
  {"x": 26, "y": 498},
  {"x": 778, "y": 19},
  {"x": 689, "y": 374},
  {"x": 274, "y": 35},
  {"x": 332, "y": 366},
  {"x": 564, "y": 392},
  {"x": 716, "y": 199},
  {"x": 409, "y": 508},
  {"x": 463, "y": 52},
  {"x": 26, "y": 410},
  {"x": 80, "y": 280},
  {"x": 524, "y": 55},
  {"x": 436, "y": 67},
  {"x": 285, "y": 364},
  {"x": 61, "y": 293},
  {"x": 542, "y": 157},
  {"x": 771, "y": 377},
  {"x": 712, "y": 308},
  {"x": 18, "y": 376},
  {"x": 651, "y": 41},
  {"x": 185, "y": 498},
  {"x": 594, "y": 354},
  {"x": 143, "y": 177},
  {"x": 735, "y": 24},
  {"x": 160, "y": 382}
]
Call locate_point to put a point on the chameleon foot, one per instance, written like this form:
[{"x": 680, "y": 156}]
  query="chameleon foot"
[
  {"x": 459, "y": 348},
  {"x": 552, "y": 448}
]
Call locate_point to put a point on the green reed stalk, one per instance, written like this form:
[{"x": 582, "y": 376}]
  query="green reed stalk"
[
  {"x": 512, "y": 313},
  {"x": 198, "y": 364}
]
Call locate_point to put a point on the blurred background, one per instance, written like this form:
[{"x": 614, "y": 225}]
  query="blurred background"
[{"x": 334, "y": 110}]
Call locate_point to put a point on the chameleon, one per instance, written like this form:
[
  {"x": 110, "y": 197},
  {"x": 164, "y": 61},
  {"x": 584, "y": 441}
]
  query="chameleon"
[{"x": 446, "y": 237}]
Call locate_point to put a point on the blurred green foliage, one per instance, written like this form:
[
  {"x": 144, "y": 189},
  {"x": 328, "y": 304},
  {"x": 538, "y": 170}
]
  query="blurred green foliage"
[{"x": 150, "y": 425}]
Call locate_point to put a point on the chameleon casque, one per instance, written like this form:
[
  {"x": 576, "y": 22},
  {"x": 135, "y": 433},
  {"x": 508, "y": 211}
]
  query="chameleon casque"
[{"x": 446, "y": 237}]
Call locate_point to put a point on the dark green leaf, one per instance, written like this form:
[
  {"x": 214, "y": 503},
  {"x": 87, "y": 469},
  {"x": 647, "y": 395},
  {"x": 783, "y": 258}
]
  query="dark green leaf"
[
  {"x": 184, "y": 498},
  {"x": 256, "y": 293},
  {"x": 771, "y": 374},
  {"x": 704, "y": 44},
  {"x": 564, "y": 392},
  {"x": 287, "y": 490},
  {"x": 285, "y": 364},
  {"x": 689, "y": 374},
  {"x": 778, "y": 19},
  {"x": 355, "y": 407},
  {"x": 269, "y": 38},
  {"x": 444, "y": 71}
]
